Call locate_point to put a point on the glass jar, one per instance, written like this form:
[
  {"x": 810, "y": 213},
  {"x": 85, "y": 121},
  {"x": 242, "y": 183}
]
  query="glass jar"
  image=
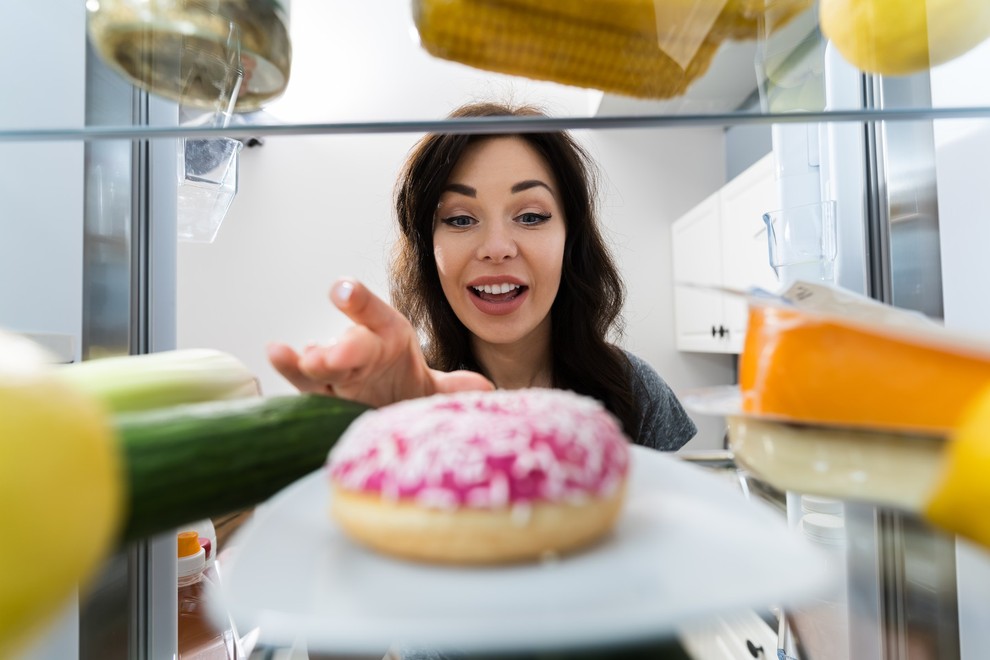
[{"x": 219, "y": 55}]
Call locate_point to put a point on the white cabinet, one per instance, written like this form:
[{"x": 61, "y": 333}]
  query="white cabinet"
[
  {"x": 722, "y": 242},
  {"x": 697, "y": 259}
]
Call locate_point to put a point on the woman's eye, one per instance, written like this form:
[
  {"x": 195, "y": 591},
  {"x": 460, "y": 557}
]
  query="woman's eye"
[
  {"x": 533, "y": 218},
  {"x": 458, "y": 221}
]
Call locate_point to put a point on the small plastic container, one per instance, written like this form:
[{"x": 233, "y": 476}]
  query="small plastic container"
[
  {"x": 826, "y": 530},
  {"x": 198, "y": 638},
  {"x": 822, "y": 624},
  {"x": 814, "y": 504},
  {"x": 207, "y": 186},
  {"x": 802, "y": 242}
]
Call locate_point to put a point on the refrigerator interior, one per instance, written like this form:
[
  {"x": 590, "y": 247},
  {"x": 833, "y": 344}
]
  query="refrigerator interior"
[{"x": 910, "y": 200}]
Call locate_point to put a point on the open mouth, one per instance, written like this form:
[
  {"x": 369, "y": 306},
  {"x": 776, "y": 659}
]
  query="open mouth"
[{"x": 498, "y": 293}]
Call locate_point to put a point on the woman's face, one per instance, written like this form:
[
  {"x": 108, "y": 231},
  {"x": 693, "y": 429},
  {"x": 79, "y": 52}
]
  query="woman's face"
[{"x": 498, "y": 240}]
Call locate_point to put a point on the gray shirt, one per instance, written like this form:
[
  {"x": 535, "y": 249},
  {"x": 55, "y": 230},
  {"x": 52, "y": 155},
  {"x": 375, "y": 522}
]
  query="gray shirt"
[{"x": 664, "y": 424}]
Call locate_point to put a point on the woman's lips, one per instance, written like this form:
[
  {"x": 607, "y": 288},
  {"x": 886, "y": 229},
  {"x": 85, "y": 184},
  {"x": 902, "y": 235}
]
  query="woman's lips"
[{"x": 498, "y": 304}]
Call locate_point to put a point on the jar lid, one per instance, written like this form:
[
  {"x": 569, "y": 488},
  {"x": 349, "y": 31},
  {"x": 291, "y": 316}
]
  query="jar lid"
[
  {"x": 813, "y": 504},
  {"x": 824, "y": 528},
  {"x": 188, "y": 544},
  {"x": 199, "y": 54},
  {"x": 191, "y": 556}
]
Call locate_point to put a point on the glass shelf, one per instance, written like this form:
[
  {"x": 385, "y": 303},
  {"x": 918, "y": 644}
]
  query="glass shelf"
[
  {"x": 496, "y": 125},
  {"x": 365, "y": 68}
]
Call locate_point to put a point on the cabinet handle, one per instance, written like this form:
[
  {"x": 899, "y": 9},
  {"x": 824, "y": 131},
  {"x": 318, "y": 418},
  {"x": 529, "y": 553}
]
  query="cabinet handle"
[
  {"x": 722, "y": 331},
  {"x": 714, "y": 332},
  {"x": 754, "y": 650}
]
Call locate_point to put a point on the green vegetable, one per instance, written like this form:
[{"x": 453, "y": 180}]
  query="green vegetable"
[
  {"x": 206, "y": 459},
  {"x": 167, "y": 378}
]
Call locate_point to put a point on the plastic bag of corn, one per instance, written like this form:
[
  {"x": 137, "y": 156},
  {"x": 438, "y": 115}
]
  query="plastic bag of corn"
[{"x": 619, "y": 46}]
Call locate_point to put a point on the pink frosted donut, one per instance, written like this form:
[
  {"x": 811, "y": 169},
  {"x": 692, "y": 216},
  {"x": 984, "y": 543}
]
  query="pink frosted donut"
[{"x": 480, "y": 477}]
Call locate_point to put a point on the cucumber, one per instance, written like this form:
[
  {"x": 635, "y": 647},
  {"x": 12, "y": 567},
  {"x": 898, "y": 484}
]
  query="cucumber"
[{"x": 201, "y": 460}]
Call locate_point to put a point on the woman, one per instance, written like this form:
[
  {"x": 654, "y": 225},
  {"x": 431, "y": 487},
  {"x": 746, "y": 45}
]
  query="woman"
[{"x": 501, "y": 267}]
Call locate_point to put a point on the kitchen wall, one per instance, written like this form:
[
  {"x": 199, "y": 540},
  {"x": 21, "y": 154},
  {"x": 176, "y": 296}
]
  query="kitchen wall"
[
  {"x": 653, "y": 178},
  {"x": 309, "y": 210}
]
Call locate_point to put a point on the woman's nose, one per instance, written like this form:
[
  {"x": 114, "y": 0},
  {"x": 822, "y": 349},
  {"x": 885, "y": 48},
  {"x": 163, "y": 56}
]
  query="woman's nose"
[{"x": 497, "y": 243}]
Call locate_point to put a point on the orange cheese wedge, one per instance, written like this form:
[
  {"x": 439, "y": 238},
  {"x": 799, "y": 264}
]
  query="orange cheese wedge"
[{"x": 819, "y": 369}]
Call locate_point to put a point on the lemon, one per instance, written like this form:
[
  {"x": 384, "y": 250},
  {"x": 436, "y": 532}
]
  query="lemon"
[
  {"x": 60, "y": 490},
  {"x": 961, "y": 499},
  {"x": 898, "y": 37}
]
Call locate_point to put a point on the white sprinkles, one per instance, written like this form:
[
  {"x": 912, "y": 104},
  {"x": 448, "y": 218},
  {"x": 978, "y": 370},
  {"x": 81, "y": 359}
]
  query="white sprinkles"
[{"x": 484, "y": 450}]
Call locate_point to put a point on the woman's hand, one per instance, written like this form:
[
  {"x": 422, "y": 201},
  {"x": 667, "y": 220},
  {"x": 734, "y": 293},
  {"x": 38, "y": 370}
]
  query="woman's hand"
[{"x": 377, "y": 361}]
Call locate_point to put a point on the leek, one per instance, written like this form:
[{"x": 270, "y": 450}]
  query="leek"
[{"x": 157, "y": 380}]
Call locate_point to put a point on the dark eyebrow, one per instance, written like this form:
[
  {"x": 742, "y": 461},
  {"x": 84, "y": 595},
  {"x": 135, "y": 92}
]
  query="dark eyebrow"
[
  {"x": 460, "y": 188},
  {"x": 529, "y": 183},
  {"x": 516, "y": 188}
]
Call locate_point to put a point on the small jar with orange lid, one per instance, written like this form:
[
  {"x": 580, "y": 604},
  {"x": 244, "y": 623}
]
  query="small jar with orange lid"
[{"x": 199, "y": 638}]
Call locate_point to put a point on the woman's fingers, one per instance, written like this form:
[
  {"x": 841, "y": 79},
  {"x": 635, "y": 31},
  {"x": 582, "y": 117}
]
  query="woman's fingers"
[
  {"x": 352, "y": 367},
  {"x": 286, "y": 362},
  {"x": 362, "y": 306},
  {"x": 357, "y": 349},
  {"x": 377, "y": 360}
]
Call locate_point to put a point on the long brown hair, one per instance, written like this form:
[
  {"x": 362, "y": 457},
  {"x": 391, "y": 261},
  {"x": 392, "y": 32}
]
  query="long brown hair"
[{"x": 587, "y": 308}]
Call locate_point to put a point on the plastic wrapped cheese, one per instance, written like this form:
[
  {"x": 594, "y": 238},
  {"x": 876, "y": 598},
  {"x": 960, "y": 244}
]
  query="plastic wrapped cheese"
[
  {"x": 822, "y": 355},
  {"x": 882, "y": 467},
  {"x": 942, "y": 479}
]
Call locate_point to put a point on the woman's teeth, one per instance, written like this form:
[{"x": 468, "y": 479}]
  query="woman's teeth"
[{"x": 495, "y": 288}]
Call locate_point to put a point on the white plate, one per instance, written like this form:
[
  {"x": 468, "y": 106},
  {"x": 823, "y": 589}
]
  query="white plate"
[{"x": 686, "y": 547}]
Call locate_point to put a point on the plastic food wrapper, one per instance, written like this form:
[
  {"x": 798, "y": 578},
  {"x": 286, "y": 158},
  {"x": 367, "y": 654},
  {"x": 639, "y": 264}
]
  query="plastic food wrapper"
[
  {"x": 639, "y": 48},
  {"x": 940, "y": 478}
]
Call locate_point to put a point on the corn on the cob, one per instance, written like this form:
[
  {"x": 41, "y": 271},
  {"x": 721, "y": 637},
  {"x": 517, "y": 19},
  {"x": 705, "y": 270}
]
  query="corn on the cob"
[
  {"x": 737, "y": 19},
  {"x": 167, "y": 378},
  {"x": 612, "y": 45}
]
